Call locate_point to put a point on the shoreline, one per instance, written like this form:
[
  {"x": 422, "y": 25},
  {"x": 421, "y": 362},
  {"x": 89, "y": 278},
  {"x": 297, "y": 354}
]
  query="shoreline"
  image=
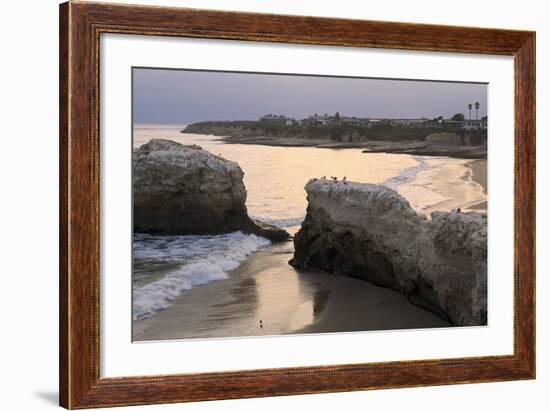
[
  {"x": 478, "y": 175},
  {"x": 315, "y": 302},
  {"x": 396, "y": 147},
  {"x": 446, "y": 195}
]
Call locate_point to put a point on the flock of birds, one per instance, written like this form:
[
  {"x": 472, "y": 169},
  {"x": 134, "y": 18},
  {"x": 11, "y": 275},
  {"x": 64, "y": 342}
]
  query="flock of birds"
[
  {"x": 334, "y": 179},
  {"x": 345, "y": 181}
]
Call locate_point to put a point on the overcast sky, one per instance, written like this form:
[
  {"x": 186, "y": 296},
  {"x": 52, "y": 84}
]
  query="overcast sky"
[{"x": 182, "y": 96}]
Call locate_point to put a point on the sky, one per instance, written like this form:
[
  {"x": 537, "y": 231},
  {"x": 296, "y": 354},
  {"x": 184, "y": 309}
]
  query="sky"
[{"x": 162, "y": 96}]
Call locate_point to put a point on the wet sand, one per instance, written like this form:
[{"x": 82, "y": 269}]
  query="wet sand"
[
  {"x": 447, "y": 185},
  {"x": 479, "y": 175},
  {"x": 266, "y": 288}
]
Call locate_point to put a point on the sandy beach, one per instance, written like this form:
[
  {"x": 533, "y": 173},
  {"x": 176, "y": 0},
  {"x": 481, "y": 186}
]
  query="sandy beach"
[
  {"x": 266, "y": 288},
  {"x": 479, "y": 176},
  {"x": 448, "y": 184}
]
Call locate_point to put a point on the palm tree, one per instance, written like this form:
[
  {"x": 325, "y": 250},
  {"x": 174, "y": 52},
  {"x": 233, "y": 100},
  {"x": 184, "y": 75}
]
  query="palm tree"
[
  {"x": 470, "y": 110},
  {"x": 477, "y": 109}
]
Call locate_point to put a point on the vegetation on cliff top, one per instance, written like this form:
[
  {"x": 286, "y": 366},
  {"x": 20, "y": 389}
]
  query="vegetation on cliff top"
[{"x": 340, "y": 133}]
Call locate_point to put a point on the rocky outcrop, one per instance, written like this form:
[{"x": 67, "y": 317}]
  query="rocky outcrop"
[
  {"x": 182, "y": 189},
  {"x": 371, "y": 232},
  {"x": 451, "y": 139},
  {"x": 225, "y": 128},
  {"x": 437, "y": 145}
]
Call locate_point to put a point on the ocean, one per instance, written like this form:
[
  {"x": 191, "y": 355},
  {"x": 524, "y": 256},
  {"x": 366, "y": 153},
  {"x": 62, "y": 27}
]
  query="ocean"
[{"x": 165, "y": 267}]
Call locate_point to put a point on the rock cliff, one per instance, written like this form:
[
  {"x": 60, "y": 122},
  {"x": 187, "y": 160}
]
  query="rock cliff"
[
  {"x": 451, "y": 139},
  {"x": 371, "y": 232},
  {"x": 182, "y": 189}
]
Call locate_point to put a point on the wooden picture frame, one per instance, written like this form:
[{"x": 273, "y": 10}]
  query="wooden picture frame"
[{"x": 80, "y": 27}]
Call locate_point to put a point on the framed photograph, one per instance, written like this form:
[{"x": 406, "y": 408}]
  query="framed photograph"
[{"x": 259, "y": 205}]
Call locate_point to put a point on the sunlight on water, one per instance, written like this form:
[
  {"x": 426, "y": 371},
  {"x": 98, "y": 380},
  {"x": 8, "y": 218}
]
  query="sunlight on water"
[
  {"x": 275, "y": 176},
  {"x": 165, "y": 266}
]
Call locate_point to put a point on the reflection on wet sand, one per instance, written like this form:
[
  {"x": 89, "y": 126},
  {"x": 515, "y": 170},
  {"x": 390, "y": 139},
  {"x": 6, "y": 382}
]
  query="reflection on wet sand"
[{"x": 265, "y": 288}]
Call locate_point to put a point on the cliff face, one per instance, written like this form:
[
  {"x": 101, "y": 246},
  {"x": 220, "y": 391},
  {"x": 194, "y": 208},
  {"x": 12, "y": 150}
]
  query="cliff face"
[
  {"x": 451, "y": 139},
  {"x": 246, "y": 129},
  {"x": 186, "y": 190},
  {"x": 224, "y": 128},
  {"x": 371, "y": 232}
]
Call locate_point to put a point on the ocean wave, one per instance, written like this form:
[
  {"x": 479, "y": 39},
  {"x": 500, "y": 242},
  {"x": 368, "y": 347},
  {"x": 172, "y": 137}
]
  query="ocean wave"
[
  {"x": 202, "y": 259},
  {"x": 282, "y": 222},
  {"x": 408, "y": 174}
]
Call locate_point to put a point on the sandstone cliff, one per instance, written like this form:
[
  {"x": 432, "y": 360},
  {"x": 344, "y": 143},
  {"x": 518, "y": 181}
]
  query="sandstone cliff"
[
  {"x": 451, "y": 139},
  {"x": 371, "y": 232},
  {"x": 186, "y": 190}
]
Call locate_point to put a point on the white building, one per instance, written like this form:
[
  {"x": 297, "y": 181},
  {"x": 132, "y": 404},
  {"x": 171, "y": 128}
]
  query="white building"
[
  {"x": 322, "y": 120},
  {"x": 474, "y": 124},
  {"x": 409, "y": 122}
]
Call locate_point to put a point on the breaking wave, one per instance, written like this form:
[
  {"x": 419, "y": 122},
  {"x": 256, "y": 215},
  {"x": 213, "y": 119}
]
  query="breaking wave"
[
  {"x": 187, "y": 261},
  {"x": 408, "y": 174},
  {"x": 282, "y": 222}
]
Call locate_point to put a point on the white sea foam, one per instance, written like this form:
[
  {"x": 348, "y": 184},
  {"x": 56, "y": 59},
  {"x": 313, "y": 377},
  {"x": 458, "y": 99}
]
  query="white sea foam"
[
  {"x": 199, "y": 260},
  {"x": 282, "y": 222},
  {"x": 408, "y": 174}
]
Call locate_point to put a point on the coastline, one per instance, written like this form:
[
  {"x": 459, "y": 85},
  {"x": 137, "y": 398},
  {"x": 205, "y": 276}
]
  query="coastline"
[
  {"x": 391, "y": 147},
  {"x": 446, "y": 185},
  {"x": 315, "y": 302},
  {"x": 478, "y": 175}
]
